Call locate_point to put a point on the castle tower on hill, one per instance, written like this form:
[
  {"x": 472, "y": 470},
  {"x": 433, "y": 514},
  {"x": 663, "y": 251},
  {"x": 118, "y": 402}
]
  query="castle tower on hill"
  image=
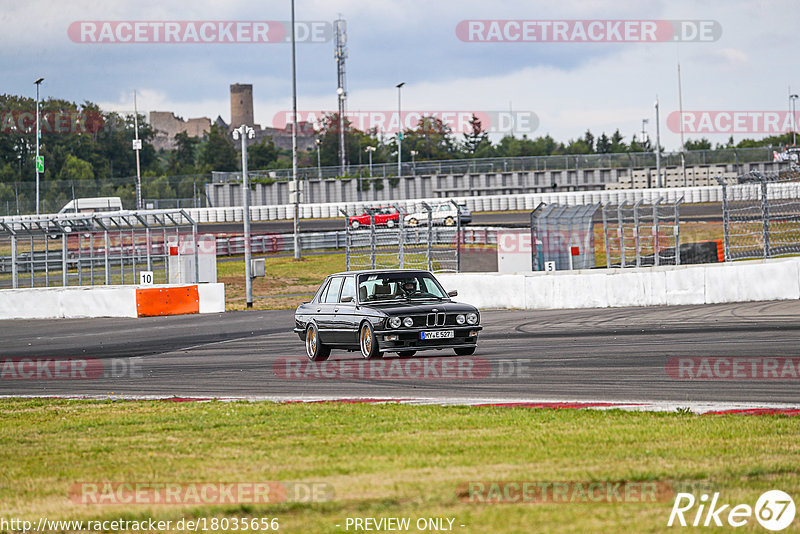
[{"x": 241, "y": 105}]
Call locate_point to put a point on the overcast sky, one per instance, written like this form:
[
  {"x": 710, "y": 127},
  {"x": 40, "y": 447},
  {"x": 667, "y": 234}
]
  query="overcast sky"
[{"x": 570, "y": 86}]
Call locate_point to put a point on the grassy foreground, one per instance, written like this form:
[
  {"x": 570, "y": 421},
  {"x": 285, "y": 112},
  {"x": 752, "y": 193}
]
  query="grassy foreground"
[{"x": 385, "y": 460}]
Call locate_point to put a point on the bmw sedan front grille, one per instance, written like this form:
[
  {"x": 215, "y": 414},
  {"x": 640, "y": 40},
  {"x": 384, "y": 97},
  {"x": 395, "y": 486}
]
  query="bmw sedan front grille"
[{"x": 436, "y": 319}]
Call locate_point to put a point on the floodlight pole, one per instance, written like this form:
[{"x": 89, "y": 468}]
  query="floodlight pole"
[
  {"x": 399, "y": 131},
  {"x": 658, "y": 147},
  {"x": 36, "y": 161},
  {"x": 244, "y": 132},
  {"x": 296, "y": 225},
  {"x": 370, "y": 150},
  {"x": 683, "y": 145},
  {"x": 137, "y": 146},
  {"x": 793, "y": 98}
]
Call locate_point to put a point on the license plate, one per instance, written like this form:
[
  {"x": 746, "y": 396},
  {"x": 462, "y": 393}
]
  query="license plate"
[{"x": 438, "y": 334}]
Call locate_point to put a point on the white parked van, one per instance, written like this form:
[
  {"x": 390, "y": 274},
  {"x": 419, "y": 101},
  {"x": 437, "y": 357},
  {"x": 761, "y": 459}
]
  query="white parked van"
[
  {"x": 83, "y": 206},
  {"x": 92, "y": 205}
]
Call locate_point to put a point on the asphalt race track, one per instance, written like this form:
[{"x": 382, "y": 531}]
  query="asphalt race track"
[{"x": 600, "y": 355}]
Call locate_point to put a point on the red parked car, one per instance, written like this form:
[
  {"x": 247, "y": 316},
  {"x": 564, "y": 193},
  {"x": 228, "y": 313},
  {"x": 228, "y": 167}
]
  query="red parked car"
[{"x": 382, "y": 216}]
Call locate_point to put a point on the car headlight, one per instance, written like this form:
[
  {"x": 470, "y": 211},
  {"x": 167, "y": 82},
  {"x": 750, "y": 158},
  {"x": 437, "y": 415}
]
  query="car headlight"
[
  {"x": 472, "y": 318},
  {"x": 460, "y": 318},
  {"x": 408, "y": 322},
  {"x": 394, "y": 322}
]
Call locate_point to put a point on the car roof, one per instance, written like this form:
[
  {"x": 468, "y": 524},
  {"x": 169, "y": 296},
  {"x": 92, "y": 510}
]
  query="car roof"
[{"x": 376, "y": 271}]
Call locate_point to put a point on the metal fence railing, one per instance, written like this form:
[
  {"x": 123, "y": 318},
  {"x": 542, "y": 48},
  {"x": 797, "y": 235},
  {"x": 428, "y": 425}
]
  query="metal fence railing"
[
  {"x": 642, "y": 235},
  {"x": 511, "y": 164},
  {"x": 563, "y": 237},
  {"x": 182, "y": 191},
  {"x": 101, "y": 248},
  {"x": 761, "y": 214},
  {"x": 424, "y": 237},
  {"x": 162, "y": 192}
]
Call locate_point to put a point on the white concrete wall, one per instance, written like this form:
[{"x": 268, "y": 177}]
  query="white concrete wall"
[
  {"x": 744, "y": 281},
  {"x": 68, "y": 302},
  {"x": 212, "y": 297},
  {"x": 91, "y": 301}
]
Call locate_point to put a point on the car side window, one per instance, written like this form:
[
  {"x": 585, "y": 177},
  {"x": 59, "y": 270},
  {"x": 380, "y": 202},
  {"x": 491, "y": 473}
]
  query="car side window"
[
  {"x": 332, "y": 295},
  {"x": 321, "y": 293},
  {"x": 349, "y": 288}
]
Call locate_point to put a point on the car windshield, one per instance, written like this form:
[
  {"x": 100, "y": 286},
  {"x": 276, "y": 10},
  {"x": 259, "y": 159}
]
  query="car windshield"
[{"x": 392, "y": 286}]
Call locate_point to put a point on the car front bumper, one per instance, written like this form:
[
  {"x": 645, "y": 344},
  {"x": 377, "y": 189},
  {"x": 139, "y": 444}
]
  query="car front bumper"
[{"x": 393, "y": 340}]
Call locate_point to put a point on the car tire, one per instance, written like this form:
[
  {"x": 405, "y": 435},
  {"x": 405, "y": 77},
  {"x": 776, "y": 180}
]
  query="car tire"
[
  {"x": 406, "y": 353},
  {"x": 466, "y": 351},
  {"x": 449, "y": 221},
  {"x": 316, "y": 351},
  {"x": 368, "y": 342},
  {"x": 390, "y": 223},
  {"x": 412, "y": 222},
  {"x": 354, "y": 225}
]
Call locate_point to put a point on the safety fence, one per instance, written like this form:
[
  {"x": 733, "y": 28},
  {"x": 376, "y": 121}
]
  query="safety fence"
[
  {"x": 485, "y": 203},
  {"x": 641, "y": 234},
  {"x": 563, "y": 237},
  {"x": 520, "y": 163},
  {"x": 761, "y": 214},
  {"x": 100, "y": 248},
  {"x": 330, "y": 241},
  {"x": 181, "y": 191},
  {"x": 162, "y": 192},
  {"x": 425, "y": 236}
]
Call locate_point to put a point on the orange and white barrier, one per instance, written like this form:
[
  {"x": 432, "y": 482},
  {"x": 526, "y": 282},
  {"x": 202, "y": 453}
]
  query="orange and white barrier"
[{"x": 111, "y": 301}]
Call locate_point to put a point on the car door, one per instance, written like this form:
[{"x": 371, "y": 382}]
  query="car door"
[
  {"x": 345, "y": 321},
  {"x": 325, "y": 310}
]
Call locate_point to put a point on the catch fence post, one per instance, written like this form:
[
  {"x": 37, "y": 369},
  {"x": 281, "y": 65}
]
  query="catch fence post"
[{"x": 765, "y": 216}]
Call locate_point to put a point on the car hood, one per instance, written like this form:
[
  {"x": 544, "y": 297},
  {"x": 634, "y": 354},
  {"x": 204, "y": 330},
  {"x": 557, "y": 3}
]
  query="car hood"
[{"x": 419, "y": 306}]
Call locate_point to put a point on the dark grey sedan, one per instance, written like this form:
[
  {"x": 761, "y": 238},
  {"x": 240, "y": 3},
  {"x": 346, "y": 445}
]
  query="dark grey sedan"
[{"x": 379, "y": 311}]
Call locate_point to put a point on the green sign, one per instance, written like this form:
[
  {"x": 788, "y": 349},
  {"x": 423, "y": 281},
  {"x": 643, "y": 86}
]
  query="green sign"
[
  {"x": 40, "y": 164},
  {"x": 400, "y": 135}
]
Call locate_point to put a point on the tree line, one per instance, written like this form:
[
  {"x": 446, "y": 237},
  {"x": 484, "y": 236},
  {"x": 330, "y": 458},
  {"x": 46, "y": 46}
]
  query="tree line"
[{"x": 96, "y": 157}]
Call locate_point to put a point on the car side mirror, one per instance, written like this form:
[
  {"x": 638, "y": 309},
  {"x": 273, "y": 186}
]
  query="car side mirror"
[
  {"x": 453, "y": 293},
  {"x": 347, "y": 299}
]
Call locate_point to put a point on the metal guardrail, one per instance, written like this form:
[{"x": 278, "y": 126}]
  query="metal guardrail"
[
  {"x": 111, "y": 246},
  {"x": 642, "y": 234},
  {"x": 761, "y": 214},
  {"x": 233, "y": 245},
  {"x": 507, "y": 164},
  {"x": 227, "y": 245},
  {"x": 22, "y": 199}
]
